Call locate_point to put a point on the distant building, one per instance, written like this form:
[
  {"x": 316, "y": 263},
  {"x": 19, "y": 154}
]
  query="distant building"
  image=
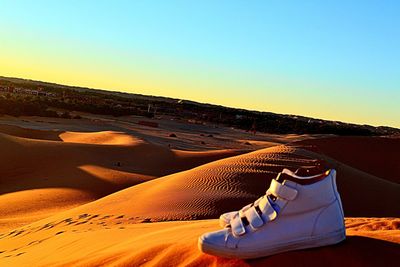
[{"x": 239, "y": 117}]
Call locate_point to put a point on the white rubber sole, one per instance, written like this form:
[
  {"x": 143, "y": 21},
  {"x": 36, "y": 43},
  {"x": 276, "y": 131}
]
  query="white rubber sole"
[{"x": 304, "y": 243}]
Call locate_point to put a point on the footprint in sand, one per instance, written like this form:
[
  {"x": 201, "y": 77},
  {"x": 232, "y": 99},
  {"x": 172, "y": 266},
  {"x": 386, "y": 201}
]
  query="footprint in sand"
[
  {"x": 93, "y": 216},
  {"x": 47, "y": 226},
  {"x": 34, "y": 242},
  {"x": 79, "y": 223},
  {"x": 18, "y": 233},
  {"x": 67, "y": 221},
  {"x": 11, "y": 233}
]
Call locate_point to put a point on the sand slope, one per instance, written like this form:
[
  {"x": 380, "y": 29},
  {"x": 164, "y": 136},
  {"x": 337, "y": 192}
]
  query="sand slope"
[
  {"x": 228, "y": 184},
  {"x": 30, "y": 133},
  {"x": 41, "y": 177},
  {"x": 89, "y": 240}
]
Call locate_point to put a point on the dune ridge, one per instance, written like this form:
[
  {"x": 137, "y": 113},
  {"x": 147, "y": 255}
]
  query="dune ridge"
[
  {"x": 228, "y": 184},
  {"x": 103, "y": 137}
]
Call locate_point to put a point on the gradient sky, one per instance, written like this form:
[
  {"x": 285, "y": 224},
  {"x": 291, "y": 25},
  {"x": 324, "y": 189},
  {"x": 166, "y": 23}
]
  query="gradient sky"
[{"x": 326, "y": 59}]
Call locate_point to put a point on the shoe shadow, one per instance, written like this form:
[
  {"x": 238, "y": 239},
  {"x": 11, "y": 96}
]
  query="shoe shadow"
[{"x": 354, "y": 251}]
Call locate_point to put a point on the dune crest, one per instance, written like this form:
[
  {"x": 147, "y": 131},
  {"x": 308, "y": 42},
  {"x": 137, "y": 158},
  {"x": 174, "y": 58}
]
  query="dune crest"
[
  {"x": 228, "y": 184},
  {"x": 103, "y": 138}
]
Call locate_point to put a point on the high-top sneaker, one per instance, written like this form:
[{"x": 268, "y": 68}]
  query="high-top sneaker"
[{"x": 296, "y": 212}]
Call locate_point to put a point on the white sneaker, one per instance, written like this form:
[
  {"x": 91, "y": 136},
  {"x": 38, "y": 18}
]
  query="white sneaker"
[
  {"x": 296, "y": 213},
  {"x": 225, "y": 218}
]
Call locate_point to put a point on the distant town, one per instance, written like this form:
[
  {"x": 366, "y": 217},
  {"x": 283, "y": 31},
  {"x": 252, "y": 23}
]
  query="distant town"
[
  {"x": 20, "y": 97},
  {"x": 24, "y": 91}
]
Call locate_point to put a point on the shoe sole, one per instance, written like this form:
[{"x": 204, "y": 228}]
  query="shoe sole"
[{"x": 318, "y": 241}]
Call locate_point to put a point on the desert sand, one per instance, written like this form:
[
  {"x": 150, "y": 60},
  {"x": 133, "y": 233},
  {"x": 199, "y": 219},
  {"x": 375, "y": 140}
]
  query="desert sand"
[
  {"x": 111, "y": 192},
  {"x": 40, "y": 177},
  {"x": 113, "y": 241}
]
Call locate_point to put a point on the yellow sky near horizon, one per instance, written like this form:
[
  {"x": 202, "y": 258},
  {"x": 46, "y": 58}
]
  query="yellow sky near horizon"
[{"x": 174, "y": 89}]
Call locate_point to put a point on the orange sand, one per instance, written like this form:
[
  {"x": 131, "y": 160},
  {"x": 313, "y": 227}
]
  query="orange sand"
[
  {"x": 103, "y": 138},
  {"x": 41, "y": 177},
  {"x": 91, "y": 240},
  {"x": 47, "y": 177}
]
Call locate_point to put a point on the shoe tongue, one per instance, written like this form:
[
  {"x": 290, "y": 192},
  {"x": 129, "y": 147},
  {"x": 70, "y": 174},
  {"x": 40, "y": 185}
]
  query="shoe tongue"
[
  {"x": 286, "y": 174},
  {"x": 289, "y": 172}
]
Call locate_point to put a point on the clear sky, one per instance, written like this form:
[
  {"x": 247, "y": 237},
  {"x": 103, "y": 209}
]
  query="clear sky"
[{"x": 336, "y": 60}]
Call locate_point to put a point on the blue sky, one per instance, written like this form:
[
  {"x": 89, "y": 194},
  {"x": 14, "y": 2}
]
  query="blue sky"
[{"x": 336, "y": 60}]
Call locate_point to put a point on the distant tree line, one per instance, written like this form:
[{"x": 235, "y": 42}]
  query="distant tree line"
[
  {"x": 121, "y": 104},
  {"x": 28, "y": 106}
]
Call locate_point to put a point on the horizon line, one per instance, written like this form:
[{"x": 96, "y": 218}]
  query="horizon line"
[{"x": 194, "y": 101}]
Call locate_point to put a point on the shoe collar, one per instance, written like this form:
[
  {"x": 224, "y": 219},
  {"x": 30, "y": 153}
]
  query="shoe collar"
[{"x": 287, "y": 174}]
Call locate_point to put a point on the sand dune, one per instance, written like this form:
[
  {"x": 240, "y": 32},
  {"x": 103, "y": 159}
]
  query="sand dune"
[
  {"x": 102, "y": 129},
  {"x": 203, "y": 192},
  {"x": 228, "y": 184},
  {"x": 24, "y": 207},
  {"x": 93, "y": 240},
  {"x": 30, "y": 133},
  {"x": 42, "y": 177},
  {"x": 103, "y": 138},
  {"x": 35, "y": 172}
]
